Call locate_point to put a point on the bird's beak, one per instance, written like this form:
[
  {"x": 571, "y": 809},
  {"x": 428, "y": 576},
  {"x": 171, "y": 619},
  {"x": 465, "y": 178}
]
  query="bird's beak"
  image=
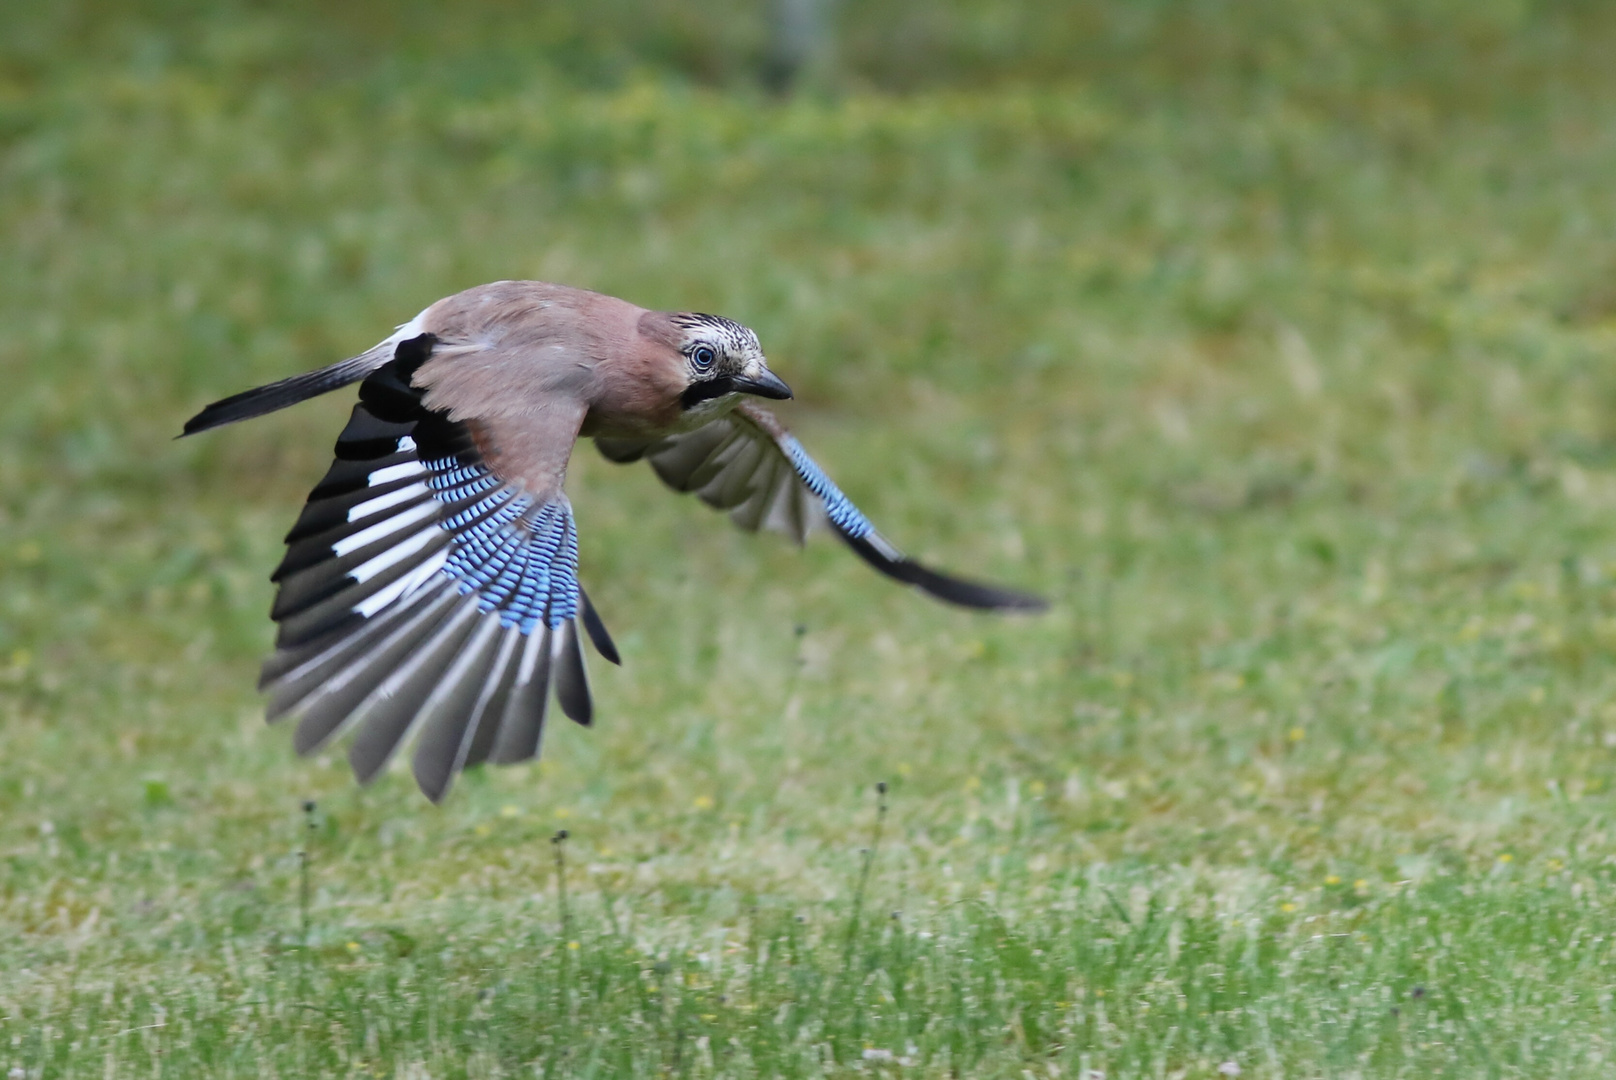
[{"x": 766, "y": 385}]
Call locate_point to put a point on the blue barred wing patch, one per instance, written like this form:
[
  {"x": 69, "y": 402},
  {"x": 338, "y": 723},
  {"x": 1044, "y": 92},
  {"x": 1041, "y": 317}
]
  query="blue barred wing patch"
[
  {"x": 838, "y": 507},
  {"x": 517, "y": 553}
]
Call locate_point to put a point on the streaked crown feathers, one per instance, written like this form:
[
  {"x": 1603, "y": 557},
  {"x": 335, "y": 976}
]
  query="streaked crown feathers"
[{"x": 737, "y": 346}]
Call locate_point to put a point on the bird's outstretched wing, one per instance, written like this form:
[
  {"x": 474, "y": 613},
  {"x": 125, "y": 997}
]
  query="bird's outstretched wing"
[
  {"x": 424, "y": 592},
  {"x": 748, "y": 464}
]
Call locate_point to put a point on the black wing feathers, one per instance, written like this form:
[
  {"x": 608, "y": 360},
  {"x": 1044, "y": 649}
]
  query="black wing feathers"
[
  {"x": 597, "y": 631},
  {"x": 944, "y": 587}
]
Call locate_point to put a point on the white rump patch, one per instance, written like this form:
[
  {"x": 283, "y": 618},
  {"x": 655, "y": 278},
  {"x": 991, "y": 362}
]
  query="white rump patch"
[{"x": 406, "y": 331}]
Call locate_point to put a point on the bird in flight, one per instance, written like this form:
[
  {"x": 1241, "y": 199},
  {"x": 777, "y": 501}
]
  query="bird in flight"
[{"x": 430, "y": 584}]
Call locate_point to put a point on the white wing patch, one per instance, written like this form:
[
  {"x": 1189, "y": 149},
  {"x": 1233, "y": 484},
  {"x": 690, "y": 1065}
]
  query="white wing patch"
[
  {"x": 396, "y": 472},
  {"x": 425, "y": 512},
  {"x": 403, "y": 586},
  {"x": 382, "y": 502},
  {"x": 393, "y": 555}
]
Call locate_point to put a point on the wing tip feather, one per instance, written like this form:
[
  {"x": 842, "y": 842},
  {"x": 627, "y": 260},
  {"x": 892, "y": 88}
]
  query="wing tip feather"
[
  {"x": 572, "y": 678},
  {"x": 878, "y": 553},
  {"x": 599, "y": 636}
]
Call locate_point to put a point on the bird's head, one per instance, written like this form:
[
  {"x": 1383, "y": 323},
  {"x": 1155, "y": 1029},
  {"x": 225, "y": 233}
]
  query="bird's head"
[{"x": 722, "y": 358}]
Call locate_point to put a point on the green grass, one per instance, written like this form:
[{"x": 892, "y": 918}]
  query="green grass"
[{"x": 1272, "y": 340}]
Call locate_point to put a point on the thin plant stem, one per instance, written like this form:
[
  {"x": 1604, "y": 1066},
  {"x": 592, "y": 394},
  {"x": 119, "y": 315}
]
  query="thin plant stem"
[
  {"x": 303, "y": 859},
  {"x": 869, "y": 854},
  {"x": 559, "y": 842}
]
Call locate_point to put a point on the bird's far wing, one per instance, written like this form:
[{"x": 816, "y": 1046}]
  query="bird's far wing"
[
  {"x": 748, "y": 464},
  {"x": 423, "y": 592}
]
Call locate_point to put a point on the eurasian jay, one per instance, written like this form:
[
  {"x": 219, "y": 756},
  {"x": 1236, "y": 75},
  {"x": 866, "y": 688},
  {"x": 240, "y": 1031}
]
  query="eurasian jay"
[{"x": 431, "y": 582}]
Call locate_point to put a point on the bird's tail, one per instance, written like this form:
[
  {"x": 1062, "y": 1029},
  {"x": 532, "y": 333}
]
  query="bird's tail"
[{"x": 278, "y": 395}]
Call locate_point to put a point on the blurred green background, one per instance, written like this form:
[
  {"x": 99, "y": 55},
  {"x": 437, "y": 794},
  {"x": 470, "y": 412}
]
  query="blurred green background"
[{"x": 1271, "y": 339}]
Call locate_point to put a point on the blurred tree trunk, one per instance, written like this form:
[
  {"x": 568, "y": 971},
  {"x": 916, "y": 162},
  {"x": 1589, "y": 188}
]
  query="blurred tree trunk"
[{"x": 801, "y": 46}]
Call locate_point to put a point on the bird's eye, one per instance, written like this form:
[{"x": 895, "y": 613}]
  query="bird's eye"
[{"x": 703, "y": 357}]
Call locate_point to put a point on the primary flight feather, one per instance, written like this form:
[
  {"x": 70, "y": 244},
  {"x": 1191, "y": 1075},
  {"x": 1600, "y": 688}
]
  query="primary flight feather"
[{"x": 431, "y": 583}]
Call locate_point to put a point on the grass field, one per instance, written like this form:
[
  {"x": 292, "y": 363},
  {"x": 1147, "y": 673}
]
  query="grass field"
[{"x": 1272, "y": 340}]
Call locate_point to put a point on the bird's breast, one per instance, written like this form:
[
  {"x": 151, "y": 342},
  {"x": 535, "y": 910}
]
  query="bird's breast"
[{"x": 646, "y": 420}]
